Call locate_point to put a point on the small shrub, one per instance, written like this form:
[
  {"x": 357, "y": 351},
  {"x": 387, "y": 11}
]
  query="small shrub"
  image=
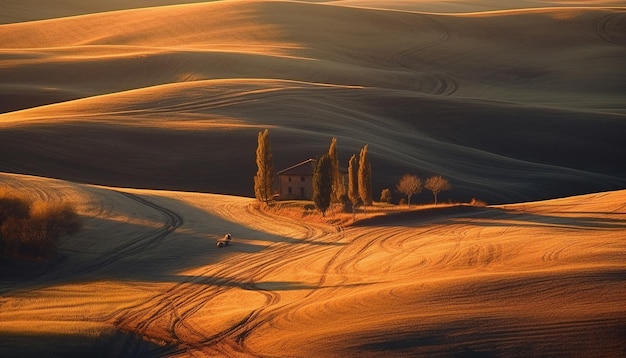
[
  {"x": 477, "y": 203},
  {"x": 13, "y": 207},
  {"x": 308, "y": 209},
  {"x": 385, "y": 196},
  {"x": 32, "y": 230},
  {"x": 27, "y": 238},
  {"x": 59, "y": 219}
]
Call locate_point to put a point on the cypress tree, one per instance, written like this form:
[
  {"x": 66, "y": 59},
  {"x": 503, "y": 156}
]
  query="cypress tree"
[
  {"x": 263, "y": 181},
  {"x": 365, "y": 177},
  {"x": 322, "y": 183},
  {"x": 353, "y": 183},
  {"x": 336, "y": 176}
]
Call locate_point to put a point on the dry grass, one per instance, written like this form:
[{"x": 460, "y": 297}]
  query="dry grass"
[
  {"x": 336, "y": 215},
  {"x": 173, "y": 97},
  {"x": 31, "y": 230},
  {"x": 537, "y": 278}
]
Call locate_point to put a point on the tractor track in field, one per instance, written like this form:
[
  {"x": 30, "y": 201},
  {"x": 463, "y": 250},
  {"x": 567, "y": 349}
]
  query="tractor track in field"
[
  {"x": 403, "y": 58},
  {"x": 603, "y": 27},
  {"x": 256, "y": 269},
  {"x": 138, "y": 244},
  {"x": 132, "y": 246},
  {"x": 178, "y": 314},
  {"x": 148, "y": 240},
  {"x": 166, "y": 316},
  {"x": 434, "y": 83}
]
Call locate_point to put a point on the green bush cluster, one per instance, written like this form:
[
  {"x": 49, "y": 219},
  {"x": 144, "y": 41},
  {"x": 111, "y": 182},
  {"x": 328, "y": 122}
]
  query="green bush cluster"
[{"x": 31, "y": 229}]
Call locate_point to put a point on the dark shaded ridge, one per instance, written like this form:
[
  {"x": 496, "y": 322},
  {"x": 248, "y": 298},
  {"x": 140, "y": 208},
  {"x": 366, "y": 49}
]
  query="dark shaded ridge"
[{"x": 111, "y": 344}]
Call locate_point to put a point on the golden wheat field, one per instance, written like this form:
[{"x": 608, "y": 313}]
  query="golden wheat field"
[{"x": 145, "y": 118}]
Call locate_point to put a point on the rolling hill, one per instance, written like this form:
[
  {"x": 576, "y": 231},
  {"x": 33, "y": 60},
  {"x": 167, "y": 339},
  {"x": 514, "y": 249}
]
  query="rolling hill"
[
  {"x": 144, "y": 278},
  {"x": 144, "y": 115},
  {"x": 173, "y": 96}
]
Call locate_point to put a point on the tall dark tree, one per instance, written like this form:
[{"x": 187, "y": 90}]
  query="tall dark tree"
[
  {"x": 338, "y": 189},
  {"x": 436, "y": 184},
  {"x": 353, "y": 183},
  {"x": 263, "y": 181},
  {"x": 365, "y": 177},
  {"x": 323, "y": 183}
]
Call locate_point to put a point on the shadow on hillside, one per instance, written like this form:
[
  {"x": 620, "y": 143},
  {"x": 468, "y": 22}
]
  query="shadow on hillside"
[
  {"x": 176, "y": 251},
  {"x": 152, "y": 254},
  {"x": 252, "y": 286},
  {"x": 418, "y": 215},
  {"x": 112, "y": 344},
  {"x": 501, "y": 337},
  {"x": 494, "y": 216}
]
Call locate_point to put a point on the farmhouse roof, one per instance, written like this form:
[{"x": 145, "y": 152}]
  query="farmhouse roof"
[{"x": 305, "y": 168}]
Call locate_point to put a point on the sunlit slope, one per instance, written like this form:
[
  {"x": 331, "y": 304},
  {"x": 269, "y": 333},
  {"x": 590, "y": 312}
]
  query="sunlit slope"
[
  {"x": 542, "y": 278},
  {"x": 104, "y": 53},
  {"x": 459, "y": 6},
  {"x": 32, "y": 10},
  {"x": 531, "y": 279},
  {"x": 202, "y": 136},
  {"x": 506, "y": 56},
  {"x": 489, "y": 100}
]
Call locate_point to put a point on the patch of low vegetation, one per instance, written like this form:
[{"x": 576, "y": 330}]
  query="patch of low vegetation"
[
  {"x": 478, "y": 203},
  {"x": 31, "y": 229},
  {"x": 304, "y": 210}
]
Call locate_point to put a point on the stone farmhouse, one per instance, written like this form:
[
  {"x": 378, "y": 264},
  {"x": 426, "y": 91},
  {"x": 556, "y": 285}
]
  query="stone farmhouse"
[{"x": 296, "y": 182}]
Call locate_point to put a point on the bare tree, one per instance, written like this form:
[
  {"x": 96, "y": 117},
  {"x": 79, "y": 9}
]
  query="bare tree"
[
  {"x": 408, "y": 185},
  {"x": 436, "y": 184}
]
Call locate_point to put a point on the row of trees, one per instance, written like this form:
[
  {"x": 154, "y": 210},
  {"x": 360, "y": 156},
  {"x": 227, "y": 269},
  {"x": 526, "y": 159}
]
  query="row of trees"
[
  {"x": 328, "y": 182},
  {"x": 410, "y": 184}
]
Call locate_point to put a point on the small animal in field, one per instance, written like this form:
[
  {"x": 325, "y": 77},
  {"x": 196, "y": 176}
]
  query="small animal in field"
[{"x": 225, "y": 241}]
